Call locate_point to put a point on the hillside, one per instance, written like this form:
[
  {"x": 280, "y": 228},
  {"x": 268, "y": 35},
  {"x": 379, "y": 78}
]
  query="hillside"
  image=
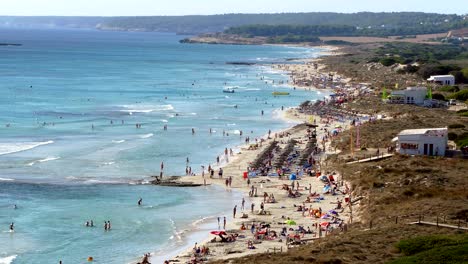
[{"x": 366, "y": 21}]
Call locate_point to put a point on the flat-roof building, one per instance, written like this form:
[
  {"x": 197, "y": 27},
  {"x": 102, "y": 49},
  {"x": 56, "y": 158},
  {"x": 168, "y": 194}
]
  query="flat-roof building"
[
  {"x": 442, "y": 79},
  {"x": 425, "y": 141}
]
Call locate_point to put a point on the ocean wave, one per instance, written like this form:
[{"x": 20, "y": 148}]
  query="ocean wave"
[
  {"x": 131, "y": 109},
  {"x": 253, "y": 89},
  {"x": 6, "y": 179},
  {"x": 164, "y": 121},
  {"x": 146, "y": 136},
  {"x": 95, "y": 181},
  {"x": 234, "y": 132},
  {"x": 176, "y": 234},
  {"x": 8, "y": 260},
  {"x": 203, "y": 219},
  {"x": 8, "y": 148},
  {"x": 118, "y": 141},
  {"x": 43, "y": 160},
  {"x": 232, "y": 124}
]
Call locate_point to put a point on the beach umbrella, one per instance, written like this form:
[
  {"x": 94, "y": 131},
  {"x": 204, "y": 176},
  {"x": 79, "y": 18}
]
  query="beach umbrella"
[{"x": 290, "y": 222}]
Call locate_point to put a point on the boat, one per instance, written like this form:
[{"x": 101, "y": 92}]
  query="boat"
[
  {"x": 228, "y": 90},
  {"x": 280, "y": 93}
]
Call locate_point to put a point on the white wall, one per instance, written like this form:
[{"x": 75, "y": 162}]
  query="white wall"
[{"x": 439, "y": 144}]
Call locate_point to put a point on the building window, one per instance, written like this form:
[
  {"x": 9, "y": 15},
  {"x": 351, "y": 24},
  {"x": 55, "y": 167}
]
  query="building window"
[{"x": 409, "y": 146}]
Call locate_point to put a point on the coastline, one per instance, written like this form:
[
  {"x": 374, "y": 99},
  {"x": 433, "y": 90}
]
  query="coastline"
[{"x": 241, "y": 160}]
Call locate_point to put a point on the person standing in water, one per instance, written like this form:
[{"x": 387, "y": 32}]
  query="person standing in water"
[
  {"x": 140, "y": 201},
  {"x": 12, "y": 227}
]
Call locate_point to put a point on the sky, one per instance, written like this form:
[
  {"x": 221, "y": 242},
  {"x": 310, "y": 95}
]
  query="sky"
[{"x": 207, "y": 7}]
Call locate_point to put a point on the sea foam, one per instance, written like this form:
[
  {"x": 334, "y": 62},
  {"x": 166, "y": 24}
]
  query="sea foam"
[
  {"x": 131, "y": 109},
  {"x": 8, "y": 148},
  {"x": 43, "y": 160},
  {"x": 146, "y": 135},
  {"x": 8, "y": 260}
]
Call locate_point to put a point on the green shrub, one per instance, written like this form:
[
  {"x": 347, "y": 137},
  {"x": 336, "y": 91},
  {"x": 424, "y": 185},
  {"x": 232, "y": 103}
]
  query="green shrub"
[
  {"x": 461, "y": 95},
  {"x": 388, "y": 61},
  {"x": 456, "y": 126},
  {"x": 419, "y": 244},
  {"x": 448, "y": 88},
  {"x": 457, "y": 254},
  {"x": 452, "y": 136},
  {"x": 427, "y": 70},
  {"x": 465, "y": 73},
  {"x": 462, "y": 140},
  {"x": 438, "y": 96}
]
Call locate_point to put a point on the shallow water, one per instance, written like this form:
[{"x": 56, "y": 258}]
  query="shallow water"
[{"x": 70, "y": 150}]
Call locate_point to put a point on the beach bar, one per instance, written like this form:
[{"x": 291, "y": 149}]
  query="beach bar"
[
  {"x": 425, "y": 141},
  {"x": 412, "y": 95},
  {"x": 442, "y": 79}
]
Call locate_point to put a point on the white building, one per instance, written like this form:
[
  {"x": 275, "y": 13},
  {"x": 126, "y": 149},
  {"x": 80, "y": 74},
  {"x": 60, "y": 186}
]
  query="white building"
[
  {"x": 412, "y": 95},
  {"x": 442, "y": 79},
  {"x": 426, "y": 141}
]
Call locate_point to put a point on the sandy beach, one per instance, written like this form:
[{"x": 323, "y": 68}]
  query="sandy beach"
[{"x": 279, "y": 213}]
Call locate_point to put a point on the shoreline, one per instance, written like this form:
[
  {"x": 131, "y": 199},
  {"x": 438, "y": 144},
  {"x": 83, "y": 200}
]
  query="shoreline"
[{"x": 234, "y": 166}]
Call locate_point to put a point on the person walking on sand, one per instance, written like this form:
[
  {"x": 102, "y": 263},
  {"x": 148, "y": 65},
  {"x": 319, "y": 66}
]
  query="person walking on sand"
[
  {"x": 220, "y": 173},
  {"x": 243, "y": 203},
  {"x": 252, "y": 207},
  {"x": 234, "y": 211},
  {"x": 224, "y": 223}
]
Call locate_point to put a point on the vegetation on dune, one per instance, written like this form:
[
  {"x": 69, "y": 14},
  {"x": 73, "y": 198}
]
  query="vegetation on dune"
[
  {"x": 423, "y": 59},
  {"x": 349, "y": 29},
  {"x": 300, "y": 30},
  {"x": 434, "y": 249},
  {"x": 460, "y": 95}
]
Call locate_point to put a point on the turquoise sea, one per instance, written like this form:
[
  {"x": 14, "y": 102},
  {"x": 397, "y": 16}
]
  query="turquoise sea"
[{"x": 70, "y": 150}]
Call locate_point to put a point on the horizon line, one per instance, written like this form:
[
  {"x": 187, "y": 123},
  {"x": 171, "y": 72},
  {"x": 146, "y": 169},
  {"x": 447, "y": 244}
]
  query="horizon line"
[{"x": 244, "y": 13}]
